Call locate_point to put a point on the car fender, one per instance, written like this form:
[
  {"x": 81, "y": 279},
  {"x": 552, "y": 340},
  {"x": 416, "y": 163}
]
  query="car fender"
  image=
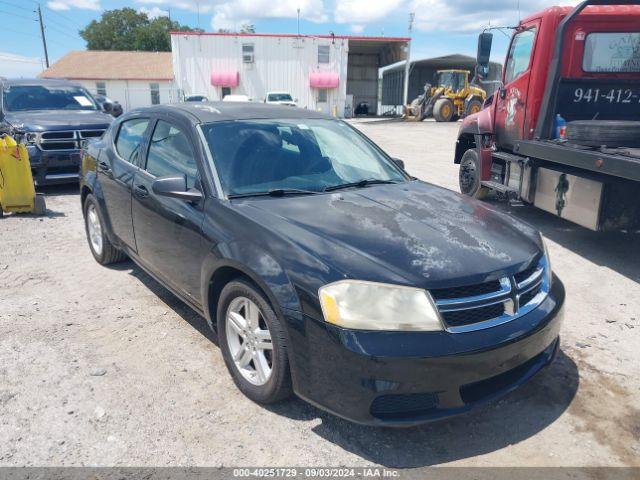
[
  {"x": 470, "y": 135},
  {"x": 89, "y": 183},
  {"x": 258, "y": 265}
]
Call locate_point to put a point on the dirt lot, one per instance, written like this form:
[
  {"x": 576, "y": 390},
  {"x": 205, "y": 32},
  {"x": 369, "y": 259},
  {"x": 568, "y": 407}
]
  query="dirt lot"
[{"x": 103, "y": 366}]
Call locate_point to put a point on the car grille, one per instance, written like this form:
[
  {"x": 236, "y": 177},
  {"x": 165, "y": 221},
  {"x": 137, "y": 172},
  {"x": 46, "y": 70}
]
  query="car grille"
[
  {"x": 390, "y": 407},
  {"x": 474, "y": 307},
  {"x": 61, "y": 140}
]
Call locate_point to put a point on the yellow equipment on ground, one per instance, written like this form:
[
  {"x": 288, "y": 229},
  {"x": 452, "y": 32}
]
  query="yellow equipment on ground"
[
  {"x": 17, "y": 192},
  {"x": 451, "y": 98}
]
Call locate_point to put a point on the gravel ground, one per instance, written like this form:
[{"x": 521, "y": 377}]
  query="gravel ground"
[{"x": 102, "y": 366}]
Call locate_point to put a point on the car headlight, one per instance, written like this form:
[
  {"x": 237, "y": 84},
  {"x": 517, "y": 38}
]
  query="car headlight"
[
  {"x": 546, "y": 262},
  {"x": 28, "y": 138},
  {"x": 364, "y": 305}
]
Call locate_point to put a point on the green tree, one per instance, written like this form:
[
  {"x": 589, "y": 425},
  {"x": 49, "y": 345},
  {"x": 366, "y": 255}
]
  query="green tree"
[{"x": 127, "y": 29}]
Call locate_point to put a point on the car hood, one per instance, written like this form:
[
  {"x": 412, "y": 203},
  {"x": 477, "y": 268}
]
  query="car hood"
[
  {"x": 414, "y": 231},
  {"x": 40, "y": 120}
]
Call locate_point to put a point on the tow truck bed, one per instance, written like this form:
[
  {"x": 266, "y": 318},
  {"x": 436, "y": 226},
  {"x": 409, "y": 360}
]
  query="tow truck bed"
[{"x": 619, "y": 162}]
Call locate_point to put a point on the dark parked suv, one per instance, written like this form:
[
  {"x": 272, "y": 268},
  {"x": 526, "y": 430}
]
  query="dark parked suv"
[
  {"x": 53, "y": 118},
  {"x": 323, "y": 267}
]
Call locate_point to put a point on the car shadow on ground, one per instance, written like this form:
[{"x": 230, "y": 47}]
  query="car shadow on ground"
[
  {"x": 615, "y": 250},
  {"x": 197, "y": 321},
  {"x": 512, "y": 419}
]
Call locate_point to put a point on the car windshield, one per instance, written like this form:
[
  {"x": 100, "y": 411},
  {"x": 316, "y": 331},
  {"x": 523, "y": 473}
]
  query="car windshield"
[
  {"x": 257, "y": 156},
  {"x": 19, "y": 98},
  {"x": 279, "y": 97}
]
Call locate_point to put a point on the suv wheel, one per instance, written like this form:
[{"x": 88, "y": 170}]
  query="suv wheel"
[
  {"x": 101, "y": 248},
  {"x": 253, "y": 343}
]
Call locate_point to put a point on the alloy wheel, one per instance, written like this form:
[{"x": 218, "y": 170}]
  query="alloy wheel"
[
  {"x": 249, "y": 341},
  {"x": 95, "y": 229}
]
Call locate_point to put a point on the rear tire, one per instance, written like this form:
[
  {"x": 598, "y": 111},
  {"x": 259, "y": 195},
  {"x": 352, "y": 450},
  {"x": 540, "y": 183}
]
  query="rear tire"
[
  {"x": 101, "y": 248},
  {"x": 612, "y": 133},
  {"x": 469, "y": 176},
  {"x": 246, "y": 324},
  {"x": 443, "y": 110}
]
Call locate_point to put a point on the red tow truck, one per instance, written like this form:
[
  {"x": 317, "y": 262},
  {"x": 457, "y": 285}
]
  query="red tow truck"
[{"x": 563, "y": 131}]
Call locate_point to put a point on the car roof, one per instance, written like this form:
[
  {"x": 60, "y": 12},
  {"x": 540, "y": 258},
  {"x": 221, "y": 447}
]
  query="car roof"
[
  {"x": 38, "y": 81},
  {"x": 208, "y": 112}
]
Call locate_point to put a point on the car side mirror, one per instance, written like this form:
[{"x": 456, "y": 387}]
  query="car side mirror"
[
  {"x": 485, "y": 39},
  {"x": 175, "y": 186},
  {"x": 107, "y": 107},
  {"x": 398, "y": 162}
]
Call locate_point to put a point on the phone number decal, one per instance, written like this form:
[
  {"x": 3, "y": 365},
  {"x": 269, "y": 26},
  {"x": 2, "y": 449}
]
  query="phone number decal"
[{"x": 613, "y": 95}]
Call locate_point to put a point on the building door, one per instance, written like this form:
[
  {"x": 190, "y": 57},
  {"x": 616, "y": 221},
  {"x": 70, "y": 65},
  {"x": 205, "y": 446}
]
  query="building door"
[
  {"x": 322, "y": 100},
  {"x": 225, "y": 91}
]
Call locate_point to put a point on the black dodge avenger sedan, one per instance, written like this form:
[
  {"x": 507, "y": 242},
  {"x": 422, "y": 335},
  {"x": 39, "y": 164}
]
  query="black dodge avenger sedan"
[{"x": 323, "y": 267}]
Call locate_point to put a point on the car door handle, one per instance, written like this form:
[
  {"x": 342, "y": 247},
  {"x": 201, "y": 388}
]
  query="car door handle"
[
  {"x": 140, "y": 191},
  {"x": 104, "y": 166}
]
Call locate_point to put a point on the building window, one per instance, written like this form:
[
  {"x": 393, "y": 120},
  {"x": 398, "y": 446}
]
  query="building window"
[
  {"x": 101, "y": 88},
  {"x": 324, "y": 52},
  {"x": 155, "y": 93},
  {"x": 247, "y": 53},
  {"x": 322, "y": 95}
]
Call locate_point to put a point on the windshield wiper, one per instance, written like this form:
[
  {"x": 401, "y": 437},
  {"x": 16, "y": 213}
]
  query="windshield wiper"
[
  {"x": 277, "y": 192},
  {"x": 359, "y": 184}
]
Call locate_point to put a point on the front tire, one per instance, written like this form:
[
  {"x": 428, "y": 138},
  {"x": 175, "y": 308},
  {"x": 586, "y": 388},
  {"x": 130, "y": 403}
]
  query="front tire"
[
  {"x": 469, "y": 175},
  {"x": 253, "y": 343},
  {"x": 101, "y": 248},
  {"x": 443, "y": 110}
]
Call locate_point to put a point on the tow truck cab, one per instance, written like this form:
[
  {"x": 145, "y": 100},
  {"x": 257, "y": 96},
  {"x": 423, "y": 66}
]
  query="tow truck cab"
[{"x": 584, "y": 65}]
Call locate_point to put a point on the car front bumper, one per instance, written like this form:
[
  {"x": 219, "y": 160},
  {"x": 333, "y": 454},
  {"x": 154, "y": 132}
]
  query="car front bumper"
[
  {"x": 49, "y": 168},
  {"x": 409, "y": 378}
]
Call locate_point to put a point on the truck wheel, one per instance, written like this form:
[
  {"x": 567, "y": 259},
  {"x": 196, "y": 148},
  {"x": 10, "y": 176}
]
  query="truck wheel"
[
  {"x": 469, "y": 176},
  {"x": 443, "y": 110},
  {"x": 253, "y": 343},
  {"x": 101, "y": 248},
  {"x": 612, "y": 133},
  {"x": 474, "y": 106}
]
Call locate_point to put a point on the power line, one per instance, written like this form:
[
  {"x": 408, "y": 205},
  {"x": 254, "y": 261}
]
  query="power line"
[
  {"x": 17, "y": 15},
  {"x": 17, "y": 31},
  {"x": 21, "y": 60},
  {"x": 15, "y": 5},
  {"x": 64, "y": 17}
]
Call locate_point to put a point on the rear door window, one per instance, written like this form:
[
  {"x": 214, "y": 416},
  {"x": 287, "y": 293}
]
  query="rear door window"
[
  {"x": 170, "y": 153},
  {"x": 617, "y": 52},
  {"x": 130, "y": 139}
]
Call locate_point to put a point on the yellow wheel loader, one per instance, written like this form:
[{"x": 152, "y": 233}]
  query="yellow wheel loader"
[{"x": 453, "y": 97}]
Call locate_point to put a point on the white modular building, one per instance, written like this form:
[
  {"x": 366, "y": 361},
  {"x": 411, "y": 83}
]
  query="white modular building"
[
  {"x": 134, "y": 79},
  {"x": 329, "y": 73}
]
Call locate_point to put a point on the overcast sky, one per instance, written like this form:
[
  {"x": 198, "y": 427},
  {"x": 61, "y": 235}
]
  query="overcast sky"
[{"x": 441, "y": 26}]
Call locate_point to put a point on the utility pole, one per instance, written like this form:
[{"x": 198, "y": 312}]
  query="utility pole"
[
  {"x": 44, "y": 39},
  {"x": 298, "y": 21},
  {"x": 405, "y": 90}
]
